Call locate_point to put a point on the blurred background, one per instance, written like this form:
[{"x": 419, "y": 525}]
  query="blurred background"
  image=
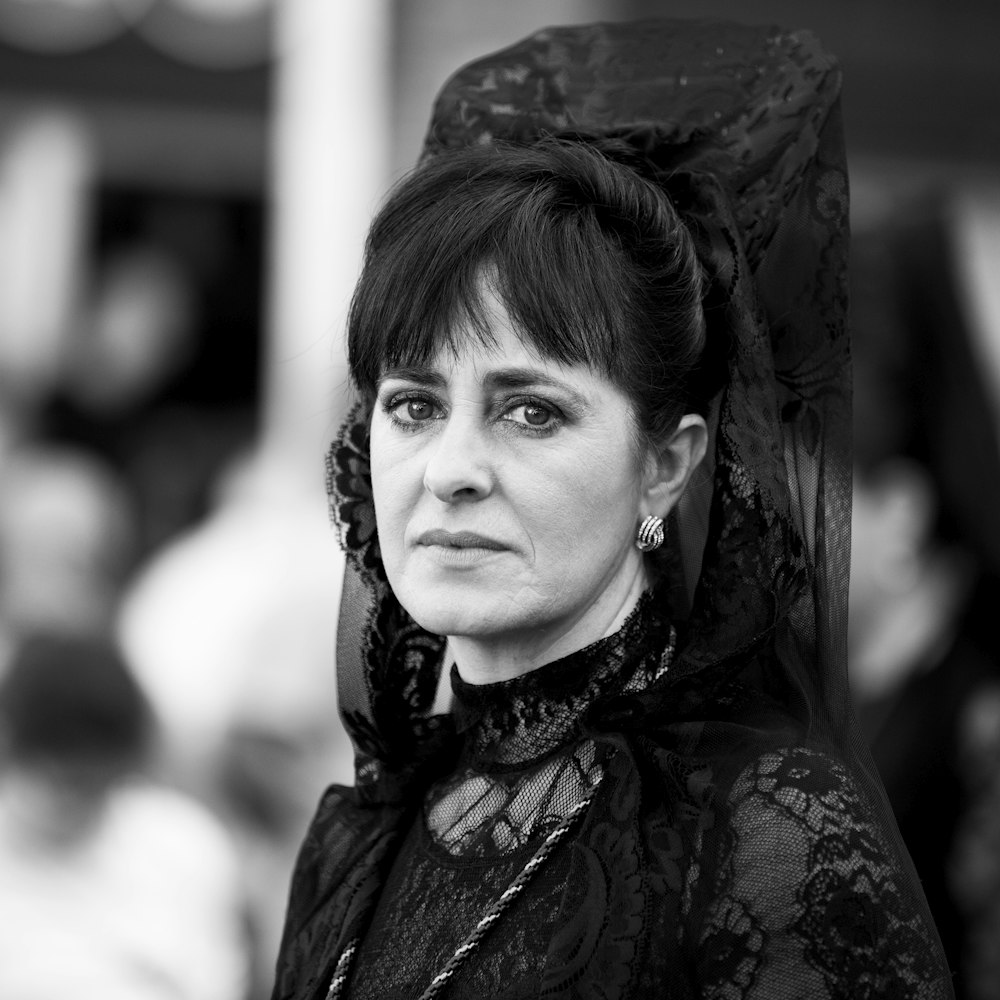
[{"x": 184, "y": 191}]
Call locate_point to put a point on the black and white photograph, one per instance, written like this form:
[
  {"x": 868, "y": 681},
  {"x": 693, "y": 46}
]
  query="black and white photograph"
[{"x": 499, "y": 499}]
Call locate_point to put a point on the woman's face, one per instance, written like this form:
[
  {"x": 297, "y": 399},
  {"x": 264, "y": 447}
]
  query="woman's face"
[{"x": 507, "y": 494}]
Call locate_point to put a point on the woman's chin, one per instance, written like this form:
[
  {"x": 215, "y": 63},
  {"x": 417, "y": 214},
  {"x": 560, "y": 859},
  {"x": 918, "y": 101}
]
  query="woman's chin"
[
  {"x": 474, "y": 600},
  {"x": 460, "y": 610},
  {"x": 454, "y": 618}
]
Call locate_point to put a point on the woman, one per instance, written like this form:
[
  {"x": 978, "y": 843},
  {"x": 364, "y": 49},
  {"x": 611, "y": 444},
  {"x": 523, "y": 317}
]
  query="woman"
[{"x": 624, "y": 251}]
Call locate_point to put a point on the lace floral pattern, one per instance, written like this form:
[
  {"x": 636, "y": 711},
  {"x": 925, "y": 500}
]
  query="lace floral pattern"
[
  {"x": 848, "y": 911},
  {"x": 773, "y": 881},
  {"x": 349, "y": 489}
]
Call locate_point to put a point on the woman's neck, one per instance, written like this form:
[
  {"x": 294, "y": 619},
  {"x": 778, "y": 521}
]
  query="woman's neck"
[{"x": 489, "y": 659}]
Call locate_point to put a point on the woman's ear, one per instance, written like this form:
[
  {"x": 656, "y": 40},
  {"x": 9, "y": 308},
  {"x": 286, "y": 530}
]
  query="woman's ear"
[{"x": 671, "y": 463}]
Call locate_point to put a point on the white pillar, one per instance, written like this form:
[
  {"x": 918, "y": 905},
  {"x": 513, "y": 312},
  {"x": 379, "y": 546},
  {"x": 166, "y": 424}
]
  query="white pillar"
[
  {"x": 46, "y": 170},
  {"x": 329, "y": 163},
  {"x": 976, "y": 233}
]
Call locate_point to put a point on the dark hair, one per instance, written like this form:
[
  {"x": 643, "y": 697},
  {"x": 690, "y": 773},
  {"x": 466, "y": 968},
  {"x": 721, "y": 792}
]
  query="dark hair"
[
  {"x": 69, "y": 698},
  {"x": 589, "y": 258}
]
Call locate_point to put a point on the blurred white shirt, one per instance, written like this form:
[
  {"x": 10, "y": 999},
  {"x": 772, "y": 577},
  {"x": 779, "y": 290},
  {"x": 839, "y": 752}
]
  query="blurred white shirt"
[{"x": 145, "y": 905}]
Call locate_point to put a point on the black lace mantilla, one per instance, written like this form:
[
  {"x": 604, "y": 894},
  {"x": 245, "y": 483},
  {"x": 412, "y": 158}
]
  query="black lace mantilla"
[{"x": 738, "y": 845}]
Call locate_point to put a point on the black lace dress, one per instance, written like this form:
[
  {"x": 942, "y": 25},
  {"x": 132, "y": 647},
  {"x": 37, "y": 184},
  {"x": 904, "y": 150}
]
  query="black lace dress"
[
  {"x": 724, "y": 832},
  {"x": 685, "y": 877}
]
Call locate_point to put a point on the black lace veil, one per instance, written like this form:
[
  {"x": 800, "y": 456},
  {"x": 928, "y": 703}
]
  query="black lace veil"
[{"x": 741, "y": 126}]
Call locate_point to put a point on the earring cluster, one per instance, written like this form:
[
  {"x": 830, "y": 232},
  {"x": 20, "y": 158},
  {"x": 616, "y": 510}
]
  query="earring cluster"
[{"x": 650, "y": 535}]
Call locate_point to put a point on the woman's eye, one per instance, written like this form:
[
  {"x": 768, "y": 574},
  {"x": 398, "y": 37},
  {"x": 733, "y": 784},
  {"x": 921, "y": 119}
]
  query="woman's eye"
[
  {"x": 417, "y": 409},
  {"x": 537, "y": 416},
  {"x": 411, "y": 410},
  {"x": 533, "y": 415}
]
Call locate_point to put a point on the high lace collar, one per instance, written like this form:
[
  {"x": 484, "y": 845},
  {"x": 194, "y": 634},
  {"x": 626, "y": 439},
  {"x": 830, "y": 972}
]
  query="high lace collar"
[{"x": 519, "y": 721}]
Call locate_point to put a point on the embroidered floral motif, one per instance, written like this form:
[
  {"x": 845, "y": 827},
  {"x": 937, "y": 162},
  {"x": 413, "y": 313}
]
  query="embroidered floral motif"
[{"x": 736, "y": 943}]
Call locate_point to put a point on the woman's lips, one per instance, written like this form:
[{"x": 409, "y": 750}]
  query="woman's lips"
[{"x": 459, "y": 540}]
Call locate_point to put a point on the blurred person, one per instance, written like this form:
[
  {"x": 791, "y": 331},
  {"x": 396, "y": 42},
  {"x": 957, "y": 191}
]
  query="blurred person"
[
  {"x": 230, "y": 629},
  {"x": 139, "y": 333},
  {"x": 67, "y": 531},
  {"x": 598, "y": 479},
  {"x": 925, "y": 572},
  {"x": 127, "y": 390},
  {"x": 113, "y": 887}
]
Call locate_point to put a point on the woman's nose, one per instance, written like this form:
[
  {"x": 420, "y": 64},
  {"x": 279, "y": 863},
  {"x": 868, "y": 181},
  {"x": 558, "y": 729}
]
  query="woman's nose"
[{"x": 459, "y": 467}]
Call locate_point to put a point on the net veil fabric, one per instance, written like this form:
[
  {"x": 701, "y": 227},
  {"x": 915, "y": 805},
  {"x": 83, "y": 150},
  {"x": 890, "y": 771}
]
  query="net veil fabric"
[{"x": 737, "y": 843}]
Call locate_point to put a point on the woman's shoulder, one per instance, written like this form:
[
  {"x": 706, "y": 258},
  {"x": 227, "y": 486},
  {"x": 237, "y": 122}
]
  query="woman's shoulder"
[
  {"x": 344, "y": 826},
  {"x": 347, "y": 835},
  {"x": 796, "y": 778},
  {"x": 804, "y": 858},
  {"x": 333, "y": 876},
  {"x": 776, "y": 795},
  {"x": 807, "y": 807},
  {"x": 811, "y": 821}
]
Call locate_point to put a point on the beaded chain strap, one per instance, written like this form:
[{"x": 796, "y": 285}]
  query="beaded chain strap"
[{"x": 492, "y": 915}]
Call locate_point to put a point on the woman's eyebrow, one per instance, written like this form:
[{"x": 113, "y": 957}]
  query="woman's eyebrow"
[
  {"x": 420, "y": 374},
  {"x": 526, "y": 378}
]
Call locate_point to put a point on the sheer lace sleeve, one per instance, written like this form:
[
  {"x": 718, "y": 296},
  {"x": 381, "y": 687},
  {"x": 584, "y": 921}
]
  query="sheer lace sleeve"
[{"x": 808, "y": 898}]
